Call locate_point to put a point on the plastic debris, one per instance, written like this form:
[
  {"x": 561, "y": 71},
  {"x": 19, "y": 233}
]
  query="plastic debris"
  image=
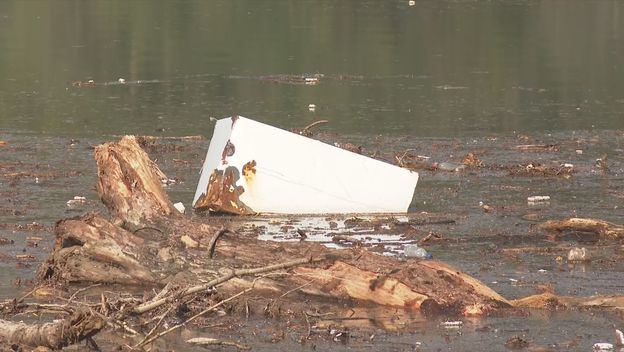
[
  {"x": 602, "y": 346},
  {"x": 76, "y": 201},
  {"x": 312, "y": 107},
  {"x": 452, "y": 324},
  {"x": 579, "y": 255},
  {"x": 254, "y": 168},
  {"x": 619, "y": 338},
  {"x": 168, "y": 181},
  {"x": 121, "y": 80},
  {"x": 180, "y": 207},
  {"x": 448, "y": 166},
  {"x": 411, "y": 2},
  {"x": 537, "y": 200},
  {"x": 415, "y": 251},
  {"x": 312, "y": 81}
]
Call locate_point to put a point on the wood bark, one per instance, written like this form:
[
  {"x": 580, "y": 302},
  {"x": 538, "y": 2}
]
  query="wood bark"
[
  {"x": 54, "y": 335},
  {"x": 92, "y": 249},
  {"x": 130, "y": 184},
  {"x": 600, "y": 227}
]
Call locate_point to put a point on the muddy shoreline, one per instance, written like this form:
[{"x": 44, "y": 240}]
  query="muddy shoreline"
[{"x": 499, "y": 244}]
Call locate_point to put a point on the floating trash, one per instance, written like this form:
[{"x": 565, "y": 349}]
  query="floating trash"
[
  {"x": 602, "y": 346},
  {"x": 180, "y": 207},
  {"x": 76, "y": 201},
  {"x": 579, "y": 255},
  {"x": 254, "y": 168}
]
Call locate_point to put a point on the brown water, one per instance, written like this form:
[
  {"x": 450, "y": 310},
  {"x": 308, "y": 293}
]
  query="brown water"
[{"x": 441, "y": 77}]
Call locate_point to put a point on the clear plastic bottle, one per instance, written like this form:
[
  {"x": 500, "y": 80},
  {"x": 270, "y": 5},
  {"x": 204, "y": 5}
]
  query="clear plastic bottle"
[{"x": 414, "y": 251}]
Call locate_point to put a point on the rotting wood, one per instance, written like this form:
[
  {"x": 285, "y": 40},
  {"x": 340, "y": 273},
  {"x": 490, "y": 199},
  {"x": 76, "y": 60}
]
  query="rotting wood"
[
  {"x": 219, "y": 280},
  {"x": 552, "y": 301},
  {"x": 537, "y": 147},
  {"x": 78, "y": 326},
  {"x": 130, "y": 184},
  {"x": 91, "y": 249},
  {"x": 600, "y": 227}
]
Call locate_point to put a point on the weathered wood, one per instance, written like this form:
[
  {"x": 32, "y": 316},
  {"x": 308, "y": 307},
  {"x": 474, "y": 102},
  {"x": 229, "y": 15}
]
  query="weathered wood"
[
  {"x": 552, "y": 301},
  {"x": 600, "y": 227},
  {"x": 130, "y": 184},
  {"x": 91, "y": 249},
  {"x": 55, "y": 335}
]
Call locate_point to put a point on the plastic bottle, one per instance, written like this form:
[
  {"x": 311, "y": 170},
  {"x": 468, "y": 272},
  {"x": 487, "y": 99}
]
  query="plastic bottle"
[
  {"x": 448, "y": 166},
  {"x": 414, "y": 251}
]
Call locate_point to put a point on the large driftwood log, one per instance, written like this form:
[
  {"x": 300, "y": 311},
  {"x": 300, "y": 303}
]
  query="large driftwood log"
[
  {"x": 600, "y": 227},
  {"x": 91, "y": 249},
  {"x": 54, "y": 335}
]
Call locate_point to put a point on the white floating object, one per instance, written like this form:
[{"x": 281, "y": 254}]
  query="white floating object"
[
  {"x": 180, "y": 207},
  {"x": 602, "y": 346},
  {"x": 579, "y": 151},
  {"x": 252, "y": 168},
  {"x": 312, "y": 107},
  {"x": 538, "y": 199},
  {"x": 76, "y": 201},
  {"x": 619, "y": 337},
  {"x": 412, "y": 2},
  {"x": 121, "y": 80},
  {"x": 452, "y": 324}
]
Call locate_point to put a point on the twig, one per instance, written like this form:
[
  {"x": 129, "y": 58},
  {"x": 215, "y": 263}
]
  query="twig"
[
  {"x": 307, "y": 128},
  {"x": 21, "y": 299},
  {"x": 207, "y": 310},
  {"x": 429, "y": 237},
  {"x": 213, "y": 241},
  {"x": 216, "y": 342},
  {"x": 81, "y": 290},
  {"x": 147, "y": 228},
  {"x": 289, "y": 292},
  {"x": 149, "y": 334},
  {"x": 309, "y": 326},
  {"x": 233, "y": 273},
  {"x": 318, "y": 315},
  {"x": 400, "y": 159}
]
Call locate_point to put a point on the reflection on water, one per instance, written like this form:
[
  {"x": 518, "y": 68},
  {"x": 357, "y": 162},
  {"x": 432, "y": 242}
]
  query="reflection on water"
[{"x": 437, "y": 68}]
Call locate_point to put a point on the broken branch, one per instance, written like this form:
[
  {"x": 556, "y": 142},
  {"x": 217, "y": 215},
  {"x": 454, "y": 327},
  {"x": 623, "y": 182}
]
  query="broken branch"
[{"x": 221, "y": 279}]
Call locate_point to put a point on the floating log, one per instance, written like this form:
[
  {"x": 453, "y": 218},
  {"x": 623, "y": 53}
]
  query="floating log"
[
  {"x": 600, "y": 227},
  {"x": 552, "y": 301}
]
